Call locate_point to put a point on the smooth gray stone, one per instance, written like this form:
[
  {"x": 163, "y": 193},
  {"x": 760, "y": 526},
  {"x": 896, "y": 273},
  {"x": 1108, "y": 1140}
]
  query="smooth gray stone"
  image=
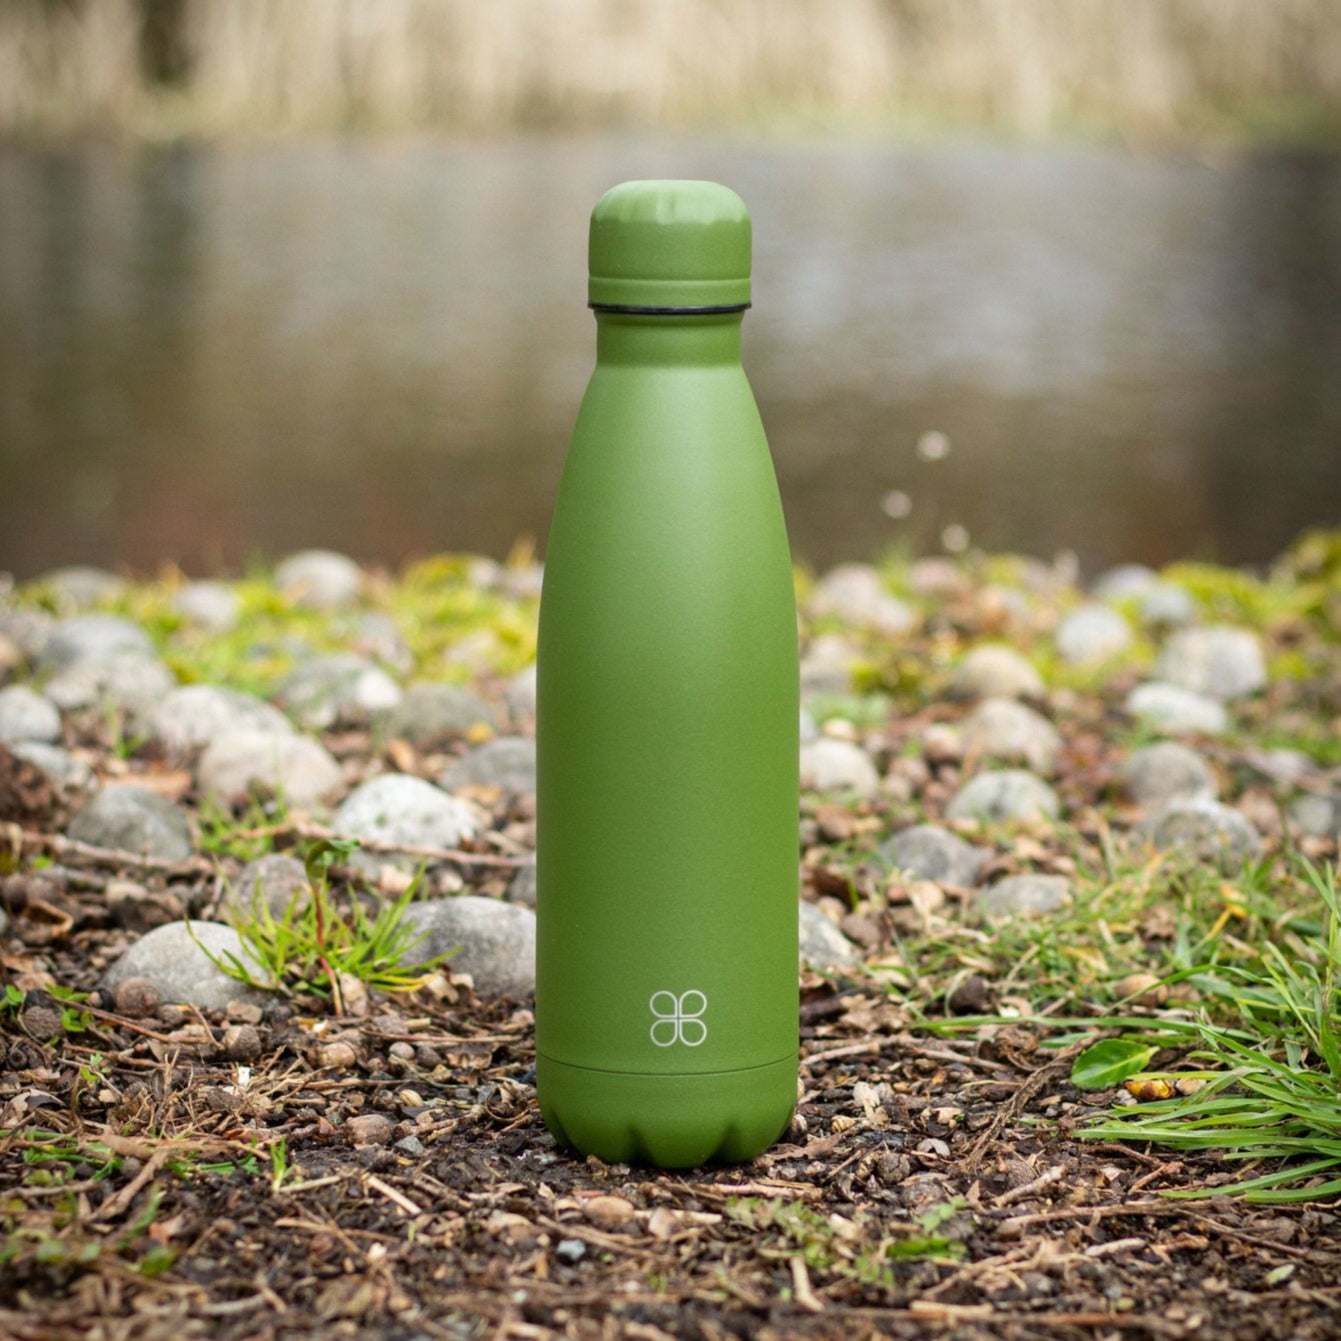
[
  {"x": 191, "y": 716},
  {"x": 522, "y": 888},
  {"x": 520, "y": 695},
  {"x": 276, "y": 880},
  {"x": 130, "y": 681},
  {"x": 855, "y": 593},
  {"x": 27, "y": 715},
  {"x": 1166, "y": 604},
  {"x": 320, "y": 579},
  {"x": 63, "y": 770},
  {"x": 1024, "y": 896},
  {"x": 183, "y": 971},
  {"x": 1092, "y": 633},
  {"x": 994, "y": 670},
  {"x": 496, "y": 940},
  {"x": 826, "y": 665},
  {"x": 80, "y": 586},
  {"x": 822, "y": 945},
  {"x": 93, "y": 638},
  {"x": 507, "y": 763},
  {"x": 1316, "y": 815},
  {"x": 404, "y": 810},
  {"x": 27, "y": 629},
  {"x": 1160, "y": 773},
  {"x": 829, "y": 765},
  {"x": 1001, "y": 728},
  {"x": 932, "y": 853},
  {"x": 432, "y": 715},
  {"x": 340, "y": 687},
  {"x": 210, "y": 605},
  {"x": 296, "y": 768},
  {"x": 1205, "y": 830},
  {"x": 1216, "y": 660},
  {"x": 1004, "y": 794},
  {"x": 1123, "y": 582},
  {"x": 1177, "y": 711},
  {"x": 134, "y": 819}
]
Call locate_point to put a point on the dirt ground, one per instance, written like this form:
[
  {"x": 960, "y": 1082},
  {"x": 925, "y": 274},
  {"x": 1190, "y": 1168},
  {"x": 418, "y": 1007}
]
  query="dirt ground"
[{"x": 183, "y": 1175}]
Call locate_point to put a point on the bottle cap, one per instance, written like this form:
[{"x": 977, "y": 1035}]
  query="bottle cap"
[{"x": 669, "y": 246}]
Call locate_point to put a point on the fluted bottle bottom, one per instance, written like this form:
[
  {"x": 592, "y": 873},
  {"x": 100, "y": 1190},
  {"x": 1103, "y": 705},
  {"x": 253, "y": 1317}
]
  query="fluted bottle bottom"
[{"x": 668, "y": 1121}]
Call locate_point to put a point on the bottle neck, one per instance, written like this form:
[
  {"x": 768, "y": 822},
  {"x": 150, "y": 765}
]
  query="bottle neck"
[{"x": 623, "y": 337}]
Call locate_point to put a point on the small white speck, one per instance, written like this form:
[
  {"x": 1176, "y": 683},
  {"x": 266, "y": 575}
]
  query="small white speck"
[
  {"x": 933, "y": 445},
  {"x": 896, "y": 504},
  {"x": 955, "y": 538}
]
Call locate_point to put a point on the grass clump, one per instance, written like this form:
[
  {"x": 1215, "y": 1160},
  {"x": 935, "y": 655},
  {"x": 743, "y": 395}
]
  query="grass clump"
[
  {"x": 1268, "y": 1085},
  {"x": 314, "y": 948}
]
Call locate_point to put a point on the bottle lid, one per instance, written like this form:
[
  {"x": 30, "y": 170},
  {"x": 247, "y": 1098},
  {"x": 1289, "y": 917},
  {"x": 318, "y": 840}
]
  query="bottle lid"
[{"x": 669, "y": 246}]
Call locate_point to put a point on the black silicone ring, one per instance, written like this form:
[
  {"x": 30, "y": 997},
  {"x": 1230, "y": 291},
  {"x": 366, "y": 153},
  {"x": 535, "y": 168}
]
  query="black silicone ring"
[{"x": 669, "y": 311}]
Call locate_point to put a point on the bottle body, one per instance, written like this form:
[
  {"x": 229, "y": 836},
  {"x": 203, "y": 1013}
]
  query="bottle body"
[{"x": 667, "y": 754}]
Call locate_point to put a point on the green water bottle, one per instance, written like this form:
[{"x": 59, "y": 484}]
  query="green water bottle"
[{"x": 666, "y": 995}]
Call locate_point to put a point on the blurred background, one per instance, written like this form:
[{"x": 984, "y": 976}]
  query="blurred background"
[{"x": 1030, "y": 274}]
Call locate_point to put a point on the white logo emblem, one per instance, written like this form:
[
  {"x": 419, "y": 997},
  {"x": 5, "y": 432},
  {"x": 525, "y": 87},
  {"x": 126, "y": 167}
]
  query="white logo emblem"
[{"x": 678, "y": 1018}]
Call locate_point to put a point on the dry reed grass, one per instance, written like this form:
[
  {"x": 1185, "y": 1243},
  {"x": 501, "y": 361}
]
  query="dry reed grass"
[{"x": 1158, "y": 67}]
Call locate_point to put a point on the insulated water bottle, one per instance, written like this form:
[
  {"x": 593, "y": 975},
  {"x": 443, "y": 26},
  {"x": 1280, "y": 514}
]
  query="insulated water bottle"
[{"x": 666, "y": 994}]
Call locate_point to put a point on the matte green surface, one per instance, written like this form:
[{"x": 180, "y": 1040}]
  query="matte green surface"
[
  {"x": 669, "y": 244},
  {"x": 667, "y": 739},
  {"x": 673, "y": 1122}
]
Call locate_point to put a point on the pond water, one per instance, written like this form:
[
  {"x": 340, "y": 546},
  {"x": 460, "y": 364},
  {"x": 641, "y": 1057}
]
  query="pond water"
[{"x": 208, "y": 353}]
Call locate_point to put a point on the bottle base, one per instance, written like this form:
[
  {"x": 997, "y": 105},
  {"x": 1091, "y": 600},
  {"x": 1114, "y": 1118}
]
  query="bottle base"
[{"x": 668, "y": 1121}]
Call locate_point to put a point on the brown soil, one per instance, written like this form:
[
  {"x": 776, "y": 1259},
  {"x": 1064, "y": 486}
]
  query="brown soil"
[{"x": 928, "y": 1187}]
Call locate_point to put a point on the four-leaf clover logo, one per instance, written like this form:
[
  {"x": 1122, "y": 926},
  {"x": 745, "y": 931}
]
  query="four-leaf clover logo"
[{"x": 678, "y": 1018}]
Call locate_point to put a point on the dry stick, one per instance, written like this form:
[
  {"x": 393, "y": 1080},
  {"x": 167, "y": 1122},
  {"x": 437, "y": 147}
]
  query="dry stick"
[
  {"x": 308, "y": 830},
  {"x": 1049, "y": 1176},
  {"x": 114, "y": 1205},
  {"x": 1018, "y": 1223},
  {"x": 110, "y": 856},
  {"x": 1011, "y": 1108},
  {"x": 392, "y": 1195}
]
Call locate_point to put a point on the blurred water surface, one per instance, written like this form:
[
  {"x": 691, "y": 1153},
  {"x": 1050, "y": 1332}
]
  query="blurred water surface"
[{"x": 212, "y": 352}]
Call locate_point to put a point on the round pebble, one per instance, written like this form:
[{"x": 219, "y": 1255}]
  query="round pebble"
[
  {"x": 136, "y": 997},
  {"x": 294, "y": 767},
  {"x": 130, "y": 681},
  {"x": 210, "y": 605},
  {"x": 1176, "y": 711},
  {"x": 855, "y": 593},
  {"x": 430, "y": 716},
  {"x": 1092, "y": 633},
  {"x": 134, "y": 819},
  {"x": 192, "y": 716},
  {"x": 932, "y": 853},
  {"x": 26, "y": 715},
  {"x": 319, "y": 579},
  {"x": 182, "y": 961},
  {"x": 341, "y": 687},
  {"x": 821, "y": 944},
  {"x": 93, "y": 638},
  {"x": 522, "y": 888},
  {"x": 494, "y": 941},
  {"x": 1001, "y": 728},
  {"x": 1204, "y": 830},
  {"x": 837, "y": 766},
  {"x": 1166, "y": 604},
  {"x": 994, "y": 670},
  {"x": 1215, "y": 660},
  {"x": 1024, "y": 896},
  {"x": 396, "y": 808},
  {"x": 507, "y": 763},
  {"x": 1001, "y": 795},
  {"x": 277, "y": 880},
  {"x": 1159, "y": 773}
]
